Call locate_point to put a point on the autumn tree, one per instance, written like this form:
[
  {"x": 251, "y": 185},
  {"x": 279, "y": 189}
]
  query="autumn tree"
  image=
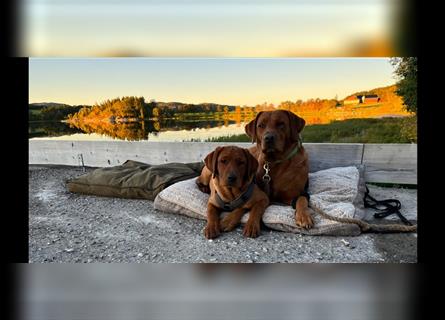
[{"x": 155, "y": 112}]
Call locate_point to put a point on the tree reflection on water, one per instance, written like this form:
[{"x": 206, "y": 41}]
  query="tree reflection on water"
[{"x": 131, "y": 131}]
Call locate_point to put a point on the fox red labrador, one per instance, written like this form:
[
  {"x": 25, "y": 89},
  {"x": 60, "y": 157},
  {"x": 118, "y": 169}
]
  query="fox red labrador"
[
  {"x": 229, "y": 177},
  {"x": 283, "y": 163}
]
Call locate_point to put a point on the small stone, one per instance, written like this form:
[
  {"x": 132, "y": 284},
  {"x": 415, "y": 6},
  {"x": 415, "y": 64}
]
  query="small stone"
[
  {"x": 69, "y": 250},
  {"x": 346, "y": 243},
  {"x": 286, "y": 252},
  {"x": 140, "y": 255},
  {"x": 210, "y": 240},
  {"x": 265, "y": 249}
]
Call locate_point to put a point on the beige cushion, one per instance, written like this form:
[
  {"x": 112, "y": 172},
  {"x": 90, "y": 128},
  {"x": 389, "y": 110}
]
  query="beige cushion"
[{"x": 338, "y": 191}]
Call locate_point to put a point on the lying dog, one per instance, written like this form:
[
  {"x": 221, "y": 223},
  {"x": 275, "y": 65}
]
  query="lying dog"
[
  {"x": 283, "y": 163},
  {"x": 229, "y": 177}
]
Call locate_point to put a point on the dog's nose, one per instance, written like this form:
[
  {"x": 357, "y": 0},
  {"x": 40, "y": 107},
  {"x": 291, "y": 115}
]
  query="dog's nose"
[
  {"x": 231, "y": 178},
  {"x": 269, "y": 138}
]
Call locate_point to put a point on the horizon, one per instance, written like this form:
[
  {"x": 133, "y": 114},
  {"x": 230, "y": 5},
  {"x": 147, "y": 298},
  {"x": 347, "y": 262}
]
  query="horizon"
[
  {"x": 207, "y": 102},
  {"x": 236, "y": 82}
]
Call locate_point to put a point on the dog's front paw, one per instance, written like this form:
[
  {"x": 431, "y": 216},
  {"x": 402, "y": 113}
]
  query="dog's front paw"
[
  {"x": 228, "y": 223},
  {"x": 211, "y": 230},
  {"x": 303, "y": 219},
  {"x": 252, "y": 229}
]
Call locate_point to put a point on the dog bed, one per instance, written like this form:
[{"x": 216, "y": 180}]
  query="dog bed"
[{"x": 338, "y": 191}]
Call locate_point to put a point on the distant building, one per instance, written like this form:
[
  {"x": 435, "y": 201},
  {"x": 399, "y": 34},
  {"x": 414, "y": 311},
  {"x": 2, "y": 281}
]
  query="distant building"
[
  {"x": 351, "y": 100},
  {"x": 370, "y": 98},
  {"x": 367, "y": 98}
]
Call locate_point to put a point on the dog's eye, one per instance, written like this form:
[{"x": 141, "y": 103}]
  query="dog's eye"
[
  {"x": 223, "y": 161},
  {"x": 240, "y": 163},
  {"x": 280, "y": 125},
  {"x": 261, "y": 125}
]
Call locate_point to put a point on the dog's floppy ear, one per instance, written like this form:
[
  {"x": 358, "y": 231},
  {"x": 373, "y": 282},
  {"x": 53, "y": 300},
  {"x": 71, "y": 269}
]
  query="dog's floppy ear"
[
  {"x": 296, "y": 125},
  {"x": 252, "y": 164},
  {"x": 250, "y": 128},
  {"x": 211, "y": 160}
]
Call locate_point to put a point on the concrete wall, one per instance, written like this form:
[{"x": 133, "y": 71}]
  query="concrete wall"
[{"x": 392, "y": 163}]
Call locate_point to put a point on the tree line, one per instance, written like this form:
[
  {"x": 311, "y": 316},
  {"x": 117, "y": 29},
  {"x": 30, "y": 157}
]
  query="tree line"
[
  {"x": 131, "y": 108},
  {"x": 51, "y": 112}
]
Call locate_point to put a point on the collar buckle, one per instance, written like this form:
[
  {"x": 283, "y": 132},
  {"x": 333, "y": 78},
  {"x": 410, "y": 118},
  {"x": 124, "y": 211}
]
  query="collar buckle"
[{"x": 266, "y": 176}]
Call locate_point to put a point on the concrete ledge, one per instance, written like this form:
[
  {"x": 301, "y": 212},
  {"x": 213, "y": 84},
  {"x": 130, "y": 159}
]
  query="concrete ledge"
[{"x": 386, "y": 163}]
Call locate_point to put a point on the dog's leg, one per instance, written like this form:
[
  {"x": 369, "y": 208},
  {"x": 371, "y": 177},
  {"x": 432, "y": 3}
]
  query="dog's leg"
[
  {"x": 303, "y": 217},
  {"x": 252, "y": 228},
  {"x": 212, "y": 228},
  {"x": 203, "y": 180},
  {"x": 203, "y": 187},
  {"x": 233, "y": 219}
]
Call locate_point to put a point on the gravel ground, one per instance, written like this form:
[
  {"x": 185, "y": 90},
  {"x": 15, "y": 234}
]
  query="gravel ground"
[{"x": 67, "y": 227}]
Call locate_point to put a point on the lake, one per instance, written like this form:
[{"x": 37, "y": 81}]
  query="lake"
[
  {"x": 184, "y": 129},
  {"x": 168, "y": 130}
]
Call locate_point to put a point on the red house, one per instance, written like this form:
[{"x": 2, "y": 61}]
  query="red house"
[{"x": 369, "y": 98}]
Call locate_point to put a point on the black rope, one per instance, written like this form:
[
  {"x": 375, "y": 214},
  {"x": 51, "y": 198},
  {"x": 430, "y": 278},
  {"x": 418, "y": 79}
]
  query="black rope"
[{"x": 390, "y": 206}]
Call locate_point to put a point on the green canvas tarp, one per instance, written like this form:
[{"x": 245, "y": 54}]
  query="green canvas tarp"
[{"x": 133, "y": 179}]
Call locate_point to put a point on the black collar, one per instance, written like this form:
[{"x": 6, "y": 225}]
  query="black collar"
[{"x": 238, "y": 202}]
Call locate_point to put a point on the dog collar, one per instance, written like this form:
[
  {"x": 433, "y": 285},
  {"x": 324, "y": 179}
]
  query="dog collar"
[
  {"x": 293, "y": 152},
  {"x": 266, "y": 166},
  {"x": 238, "y": 202}
]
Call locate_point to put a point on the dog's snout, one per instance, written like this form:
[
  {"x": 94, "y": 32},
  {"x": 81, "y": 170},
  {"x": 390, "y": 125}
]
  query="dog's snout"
[
  {"x": 269, "y": 138},
  {"x": 231, "y": 178}
]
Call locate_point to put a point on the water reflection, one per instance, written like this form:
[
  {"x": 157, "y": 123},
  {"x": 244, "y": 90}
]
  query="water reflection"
[
  {"x": 50, "y": 129},
  {"x": 186, "y": 129},
  {"x": 170, "y": 130}
]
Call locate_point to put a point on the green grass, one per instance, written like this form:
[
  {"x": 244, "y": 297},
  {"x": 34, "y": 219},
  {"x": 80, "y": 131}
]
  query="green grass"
[{"x": 386, "y": 130}]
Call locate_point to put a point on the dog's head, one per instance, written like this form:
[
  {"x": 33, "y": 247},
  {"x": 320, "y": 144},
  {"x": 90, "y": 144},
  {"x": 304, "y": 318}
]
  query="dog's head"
[
  {"x": 232, "y": 166},
  {"x": 275, "y": 131}
]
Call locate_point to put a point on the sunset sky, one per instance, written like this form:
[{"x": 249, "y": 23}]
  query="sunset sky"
[
  {"x": 225, "y": 81},
  {"x": 207, "y": 28}
]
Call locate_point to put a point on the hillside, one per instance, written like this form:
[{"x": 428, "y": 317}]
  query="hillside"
[
  {"x": 386, "y": 94},
  {"x": 390, "y": 104},
  {"x": 41, "y": 105}
]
